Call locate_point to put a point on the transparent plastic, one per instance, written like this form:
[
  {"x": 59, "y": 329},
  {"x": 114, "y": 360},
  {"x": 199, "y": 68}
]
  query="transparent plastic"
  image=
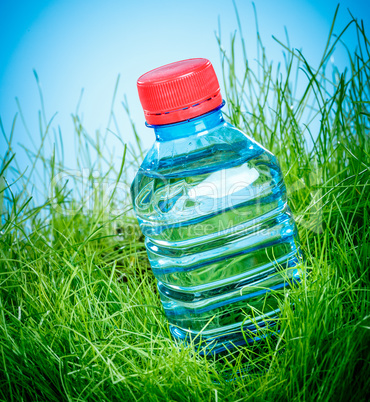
[{"x": 220, "y": 237}]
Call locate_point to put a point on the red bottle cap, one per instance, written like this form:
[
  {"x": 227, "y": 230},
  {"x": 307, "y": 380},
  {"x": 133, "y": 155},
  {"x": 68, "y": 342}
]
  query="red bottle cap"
[{"x": 179, "y": 91}]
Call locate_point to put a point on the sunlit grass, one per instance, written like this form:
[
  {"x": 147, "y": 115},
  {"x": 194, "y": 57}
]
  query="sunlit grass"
[{"x": 80, "y": 317}]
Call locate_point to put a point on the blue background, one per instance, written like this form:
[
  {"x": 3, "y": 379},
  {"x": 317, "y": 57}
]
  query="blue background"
[{"x": 88, "y": 43}]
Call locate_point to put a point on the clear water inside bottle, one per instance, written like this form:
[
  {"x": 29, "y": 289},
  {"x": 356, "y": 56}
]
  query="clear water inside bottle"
[{"x": 220, "y": 236}]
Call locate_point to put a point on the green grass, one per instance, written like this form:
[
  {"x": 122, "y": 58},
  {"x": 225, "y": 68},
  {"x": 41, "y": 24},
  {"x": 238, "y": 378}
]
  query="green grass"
[{"x": 80, "y": 318}]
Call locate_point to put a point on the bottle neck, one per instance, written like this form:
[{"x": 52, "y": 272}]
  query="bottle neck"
[{"x": 204, "y": 122}]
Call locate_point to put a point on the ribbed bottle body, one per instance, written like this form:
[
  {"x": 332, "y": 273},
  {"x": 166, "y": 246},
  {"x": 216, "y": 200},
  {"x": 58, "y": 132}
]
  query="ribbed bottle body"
[{"x": 219, "y": 234}]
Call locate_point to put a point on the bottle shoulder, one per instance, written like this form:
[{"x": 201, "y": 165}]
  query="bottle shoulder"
[{"x": 220, "y": 147}]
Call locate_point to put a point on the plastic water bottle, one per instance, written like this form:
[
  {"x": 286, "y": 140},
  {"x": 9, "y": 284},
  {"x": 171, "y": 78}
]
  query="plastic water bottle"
[{"x": 212, "y": 205}]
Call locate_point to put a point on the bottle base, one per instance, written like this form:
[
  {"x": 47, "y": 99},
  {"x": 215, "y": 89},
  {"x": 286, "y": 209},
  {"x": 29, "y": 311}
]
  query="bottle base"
[{"x": 225, "y": 342}]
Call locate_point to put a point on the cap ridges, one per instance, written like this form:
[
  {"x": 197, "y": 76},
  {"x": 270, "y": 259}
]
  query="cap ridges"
[{"x": 179, "y": 91}]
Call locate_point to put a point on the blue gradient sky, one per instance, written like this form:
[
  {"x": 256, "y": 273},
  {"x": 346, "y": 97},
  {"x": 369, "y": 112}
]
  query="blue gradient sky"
[{"x": 75, "y": 44}]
